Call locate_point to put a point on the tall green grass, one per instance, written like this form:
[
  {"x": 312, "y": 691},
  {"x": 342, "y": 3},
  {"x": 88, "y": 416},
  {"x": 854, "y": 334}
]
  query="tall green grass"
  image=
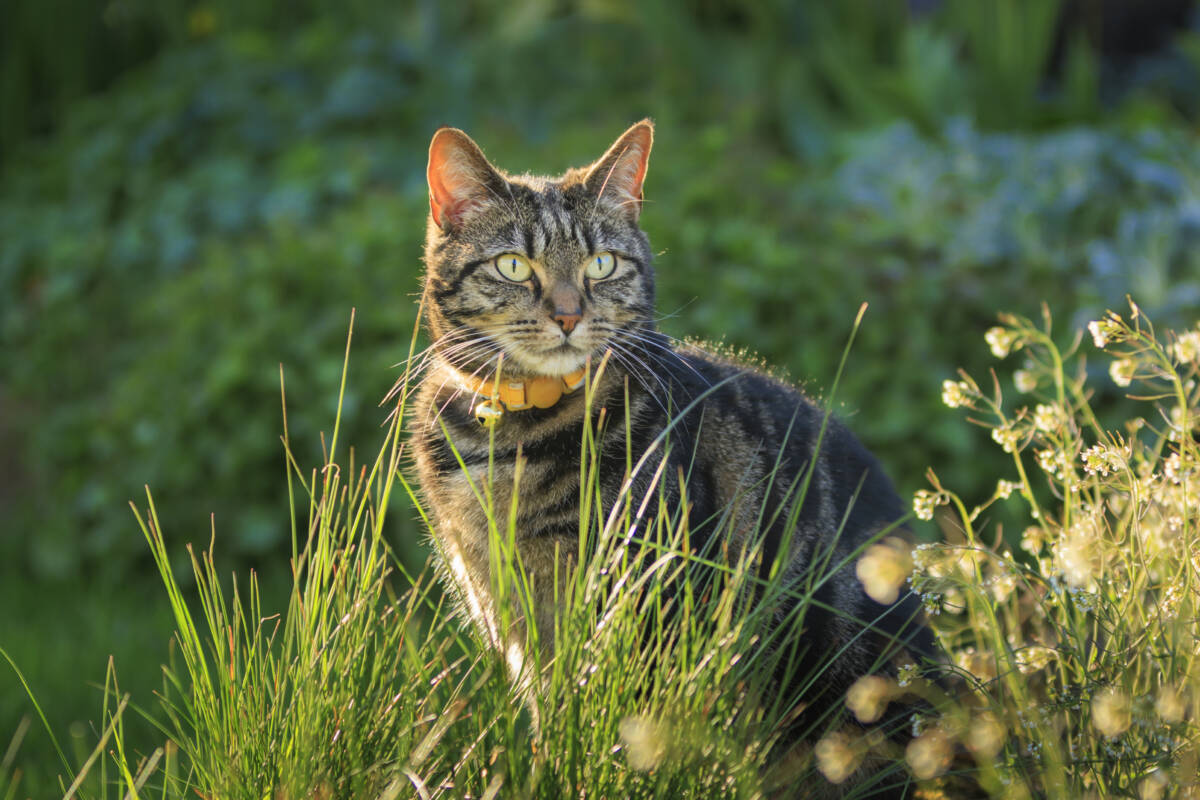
[
  {"x": 368, "y": 685},
  {"x": 1072, "y": 670}
]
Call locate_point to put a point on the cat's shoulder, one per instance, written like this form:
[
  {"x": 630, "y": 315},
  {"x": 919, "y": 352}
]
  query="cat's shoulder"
[{"x": 742, "y": 365}]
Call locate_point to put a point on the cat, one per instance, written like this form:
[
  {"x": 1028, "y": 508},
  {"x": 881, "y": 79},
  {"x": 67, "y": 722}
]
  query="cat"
[{"x": 541, "y": 277}]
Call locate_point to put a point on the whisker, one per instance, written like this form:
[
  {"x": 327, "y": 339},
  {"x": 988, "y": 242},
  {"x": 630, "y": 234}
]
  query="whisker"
[
  {"x": 456, "y": 333},
  {"x": 460, "y": 390},
  {"x": 460, "y": 351},
  {"x": 647, "y": 339},
  {"x": 633, "y": 356},
  {"x": 665, "y": 349},
  {"x": 447, "y": 354},
  {"x": 659, "y": 317},
  {"x": 623, "y": 357},
  {"x": 466, "y": 356}
]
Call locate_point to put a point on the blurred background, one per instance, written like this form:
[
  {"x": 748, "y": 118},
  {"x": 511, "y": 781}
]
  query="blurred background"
[{"x": 194, "y": 192}]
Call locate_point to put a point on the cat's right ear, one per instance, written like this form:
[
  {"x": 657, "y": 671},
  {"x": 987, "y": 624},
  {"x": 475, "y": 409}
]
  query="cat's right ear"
[{"x": 460, "y": 178}]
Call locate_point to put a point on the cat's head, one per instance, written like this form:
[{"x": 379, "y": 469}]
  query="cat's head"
[{"x": 546, "y": 271}]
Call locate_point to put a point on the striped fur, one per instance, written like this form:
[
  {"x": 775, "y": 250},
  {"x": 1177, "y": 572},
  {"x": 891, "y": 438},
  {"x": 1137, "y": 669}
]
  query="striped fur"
[{"x": 727, "y": 445}]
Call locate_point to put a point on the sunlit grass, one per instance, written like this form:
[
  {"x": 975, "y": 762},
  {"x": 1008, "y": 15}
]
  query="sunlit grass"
[
  {"x": 1072, "y": 664},
  {"x": 367, "y": 685}
]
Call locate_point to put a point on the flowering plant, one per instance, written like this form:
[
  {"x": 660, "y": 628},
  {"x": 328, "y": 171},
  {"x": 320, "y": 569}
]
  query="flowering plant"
[{"x": 1074, "y": 651}]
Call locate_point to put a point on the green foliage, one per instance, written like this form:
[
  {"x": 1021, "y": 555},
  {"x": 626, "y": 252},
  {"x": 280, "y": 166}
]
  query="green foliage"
[
  {"x": 1009, "y": 45},
  {"x": 161, "y": 271},
  {"x": 861, "y": 61},
  {"x": 188, "y": 233},
  {"x": 63, "y": 642},
  {"x": 218, "y": 212}
]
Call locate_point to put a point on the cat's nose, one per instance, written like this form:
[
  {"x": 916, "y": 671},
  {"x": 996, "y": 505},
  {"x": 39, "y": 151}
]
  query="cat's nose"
[
  {"x": 564, "y": 303},
  {"x": 567, "y": 320}
]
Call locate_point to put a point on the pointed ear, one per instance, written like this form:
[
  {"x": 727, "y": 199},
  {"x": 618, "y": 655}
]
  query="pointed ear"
[
  {"x": 460, "y": 178},
  {"x": 617, "y": 177}
]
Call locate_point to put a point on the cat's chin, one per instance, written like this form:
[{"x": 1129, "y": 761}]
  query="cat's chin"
[{"x": 554, "y": 362}]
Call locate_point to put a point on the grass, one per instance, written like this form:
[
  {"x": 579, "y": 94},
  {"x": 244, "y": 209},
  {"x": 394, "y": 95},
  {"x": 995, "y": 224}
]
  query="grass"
[
  {"x": 122, "y": 622},
  {"x": 1072, "y": 668}
]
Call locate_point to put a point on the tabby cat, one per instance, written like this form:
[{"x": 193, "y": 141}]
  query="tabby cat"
[{"x": 534, "y": 276}]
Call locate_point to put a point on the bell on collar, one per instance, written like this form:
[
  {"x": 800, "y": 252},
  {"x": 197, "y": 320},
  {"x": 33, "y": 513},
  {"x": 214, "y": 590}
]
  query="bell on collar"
[{"x": 489, "y": 413}]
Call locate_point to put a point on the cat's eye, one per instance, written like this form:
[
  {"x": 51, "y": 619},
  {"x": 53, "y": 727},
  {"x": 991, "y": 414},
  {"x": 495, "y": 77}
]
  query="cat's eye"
[
  {"x": 514, "y": 267},
  {"x": 600, "y": 266}
]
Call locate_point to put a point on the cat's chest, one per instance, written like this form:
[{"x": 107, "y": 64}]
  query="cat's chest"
[{"x": 476, "y": 480}]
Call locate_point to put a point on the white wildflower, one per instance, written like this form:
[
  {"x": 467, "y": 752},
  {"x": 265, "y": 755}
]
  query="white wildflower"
[
  {"x": 1046, "y": 417},
  {"x": 1178, "y": 422},
  {"x": 1004, "y": 489},
  {"x": 956, "y": 393},
  {"x": 1101, "y": 459},
  {"x": 645, "y": 741},
  {"x": 924, "y": 502},
  {"x": 986, "y": 736},
  {"x": 1033, "y": 658},
  {"x": 953, "y": 600},
  {"x": 1112, "y": 712},
  {"x": 1077, "y": 554},
  {"x": 1002, "y": 585},
  {"x": 1000, "y": 340},
  {"x": 1173, "y": 468},
  {"x": 1006, "y": 437},
  {"x": 868, "y": 697},
  {"x": 929, "y": 754},
  {"x": 1108, "y": 330},
  {"x": 884, "y": 568},
  {"x": 1057, "y": 464},
  {"x": 1033, "y": 540},
  {"x": 837, "y": 757},
  {"x": 1187, "y": 347},
  {"x": 981, "y": 665},
  {"x": 1170, "y": 705},
  {"x": 1153, "y": 786},
  {"x": 1121, "y": 371}
]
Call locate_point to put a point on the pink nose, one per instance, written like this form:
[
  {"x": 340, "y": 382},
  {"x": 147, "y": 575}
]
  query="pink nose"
[{"x": 567, "y": 320}]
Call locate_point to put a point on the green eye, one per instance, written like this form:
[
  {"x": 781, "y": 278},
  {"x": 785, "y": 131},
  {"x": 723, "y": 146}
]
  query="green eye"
[
  {"x": 514, "y": 267},
  {"x": 600, "y": 266}
]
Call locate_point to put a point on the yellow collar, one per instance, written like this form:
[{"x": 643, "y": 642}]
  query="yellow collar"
[{"x": 540, "y": 392}]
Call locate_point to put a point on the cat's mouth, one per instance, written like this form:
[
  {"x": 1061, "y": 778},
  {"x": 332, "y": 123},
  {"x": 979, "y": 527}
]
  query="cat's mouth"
[
  {"x": 565, "y": 357},
  {"x": 560, "y": 359}
]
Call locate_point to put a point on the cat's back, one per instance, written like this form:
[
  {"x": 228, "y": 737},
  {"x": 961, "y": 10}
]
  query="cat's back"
[
  {"x": 748, "y": 420},
  {"x": 811, "y": 497}
]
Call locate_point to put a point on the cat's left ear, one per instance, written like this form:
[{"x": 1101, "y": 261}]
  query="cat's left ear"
[{"x": 617, "y": 177}]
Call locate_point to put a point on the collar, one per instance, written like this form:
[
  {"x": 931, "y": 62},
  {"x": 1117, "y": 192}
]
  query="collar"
[{"x": 540, "y": 392}]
